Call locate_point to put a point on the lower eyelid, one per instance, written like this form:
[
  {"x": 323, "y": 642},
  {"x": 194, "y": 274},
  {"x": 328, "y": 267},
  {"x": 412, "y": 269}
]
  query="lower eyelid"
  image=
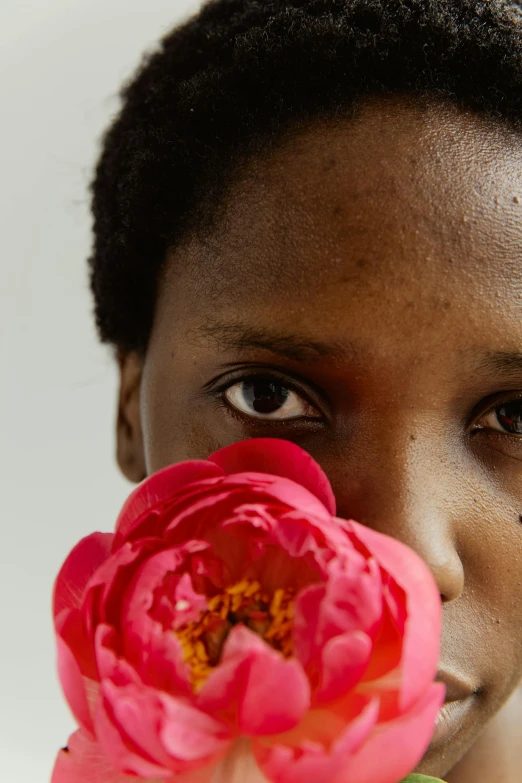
[
  {"x": 488, "y": 430},
  {"x": 252, "y": 421},
  {"x": 501, "y": 443}
]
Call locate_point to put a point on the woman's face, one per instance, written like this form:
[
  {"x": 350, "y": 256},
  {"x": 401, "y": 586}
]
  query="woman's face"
[{"x": 361, "y": 295}]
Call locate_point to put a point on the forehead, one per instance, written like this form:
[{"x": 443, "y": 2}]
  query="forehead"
[{"x": 402, "y": 208}]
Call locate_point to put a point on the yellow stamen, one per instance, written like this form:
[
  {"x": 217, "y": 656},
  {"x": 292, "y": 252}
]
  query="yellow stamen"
[
  {"x": 214, "y": 603},
  {"x": 237, "y": 600},
  {"x": 202, "y": 640},
  {"x": 240, "y": 587},
  {"x": 225, "y": 607},
  {"x": 254, "y": 588},
  {"x": 276, "y": 602}
]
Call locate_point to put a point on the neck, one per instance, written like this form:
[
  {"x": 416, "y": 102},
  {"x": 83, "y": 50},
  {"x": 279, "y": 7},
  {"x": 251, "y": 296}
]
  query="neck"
[{"x": 496, "y": 757}]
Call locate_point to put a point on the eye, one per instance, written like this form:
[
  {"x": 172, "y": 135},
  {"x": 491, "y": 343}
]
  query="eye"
[
  {"x": 505, "y": 417},
  {"x": 268, "y": 398}
]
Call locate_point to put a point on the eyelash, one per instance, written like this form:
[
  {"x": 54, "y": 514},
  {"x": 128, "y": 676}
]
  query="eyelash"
[{"x": 302, "y": 420}]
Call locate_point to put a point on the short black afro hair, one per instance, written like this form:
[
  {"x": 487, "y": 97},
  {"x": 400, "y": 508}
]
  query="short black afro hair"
[{"x": 239, "y": 75}]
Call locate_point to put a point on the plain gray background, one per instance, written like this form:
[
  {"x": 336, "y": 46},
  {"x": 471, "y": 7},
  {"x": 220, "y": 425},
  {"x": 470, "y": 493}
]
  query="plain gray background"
[{"x": 61, "y": 65}]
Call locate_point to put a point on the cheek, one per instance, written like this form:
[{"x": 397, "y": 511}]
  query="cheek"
[
  {"x": 178, "y": 422},
  {"x": 490, "y": 546},
  {"x": 164, "y": 420}
]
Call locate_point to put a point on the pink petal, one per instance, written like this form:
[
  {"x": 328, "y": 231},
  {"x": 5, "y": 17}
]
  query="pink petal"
[
  {"x": 151, "y": 575},
  {"x": 124, "y": 754},
  {"x": 402, "y": 743},
  {"x": 395, "y": 600},
  {"x": 84, "y": 762},
  {"x": 157, "y": 656},
  {"x": 277, "y": 457},
  {"x": 313, "y": 761},
  {"x": 190, "y": 735},
  {"x": 322, "y": 726},
  {"x": 349, "y": 600},
  {"x": 275, "y": 568},
  {"x": 143, "y": 730},
  {"x": 353, "y": 599},
  {"x": 70, "y": 627},
  {"x": 189, "y": 605},
  {"x": 148, "y": 617},
  {"x": 202, "y": 515},
  {"x": 421, "y": 646},
  {"x": 307, "y": 609},
  {"x": 387, "y": 649},
  {"x": 103, "y": 594},
  {"x": 280, "y": 491},
  {"x": 235, "y": 499},
  {"x": 300, "y": 532},
  {"x": 159, "y": 487},
  {"x": 356, "y": 733},
  {"x": 306, "y": 764},
  {"x": 295, "y": 535},
  {"x": 344, "y": 660},
  {"x": 80, "y": 565},
  {"x": 110, "y": 665},
  {"x": 255, "y": 688},
  {"x": 239, "y": 766},
  {"x": 75, "y": 687},
  {"x": 181, "y": 508},
  {"x": 276, "y": 696}
]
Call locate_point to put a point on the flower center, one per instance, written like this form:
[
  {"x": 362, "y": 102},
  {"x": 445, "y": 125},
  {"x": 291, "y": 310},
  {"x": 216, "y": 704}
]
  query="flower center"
[{"x": 269, "y": 615}]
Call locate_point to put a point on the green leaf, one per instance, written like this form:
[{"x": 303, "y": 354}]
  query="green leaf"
[{"x": 421, "y": 779}]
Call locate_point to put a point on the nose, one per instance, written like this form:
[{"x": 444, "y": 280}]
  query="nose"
[{"x": 405, "y": 487}]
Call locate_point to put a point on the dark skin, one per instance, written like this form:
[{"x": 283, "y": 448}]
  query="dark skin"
[{"x": 370, "y": 270}]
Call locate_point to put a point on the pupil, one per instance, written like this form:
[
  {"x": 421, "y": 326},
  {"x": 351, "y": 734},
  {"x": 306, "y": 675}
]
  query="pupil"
[
  {"x": 264, "y": 396},
  {"x": 510, "y": 417}
]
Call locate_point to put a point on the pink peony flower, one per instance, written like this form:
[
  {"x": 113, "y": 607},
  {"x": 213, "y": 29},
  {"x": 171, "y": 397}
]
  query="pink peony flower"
[{"x": 231, "y": 609}]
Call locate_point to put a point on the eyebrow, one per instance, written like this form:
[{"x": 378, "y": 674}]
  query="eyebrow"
[
  {"x": 501, "y": 362},
  {"x": 236, "y": 336},
  {"x": 289, "y": 346}
]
